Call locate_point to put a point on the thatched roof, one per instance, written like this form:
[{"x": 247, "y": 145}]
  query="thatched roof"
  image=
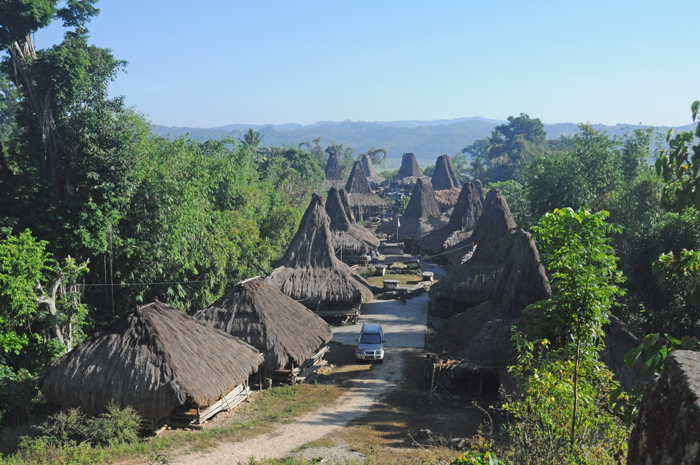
[
  {"x": 153, "y": 359},
  {"x": 409, "y": 172},
  {"x": 461, "y": 224},
  {"x": 447, "y": 199},
  {"x": 348, "y": 235},
  {"x": 422, "y": 214},
  {"x": 475, "y": 280},
  {"x": 444, "y": 176},
  {"x": 346, "y": 204},
  {"x": 309, "y": 272},
  {"x": 479, "y": 187},
  {"x": 482, "y": 333},
  {"x": 359, "y": 192},
  {"x": 373, "y": 178},
  {"x": 333, "y": 169},
  {"x": 283, "y": 330}
]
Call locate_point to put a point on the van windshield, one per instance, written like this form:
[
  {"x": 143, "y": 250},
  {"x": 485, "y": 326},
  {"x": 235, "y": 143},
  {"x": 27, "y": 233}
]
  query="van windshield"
[{"x": 370, "y": 338}]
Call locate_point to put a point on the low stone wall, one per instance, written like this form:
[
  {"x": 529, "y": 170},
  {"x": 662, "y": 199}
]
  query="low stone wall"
[{"x": 667, "y": 430}]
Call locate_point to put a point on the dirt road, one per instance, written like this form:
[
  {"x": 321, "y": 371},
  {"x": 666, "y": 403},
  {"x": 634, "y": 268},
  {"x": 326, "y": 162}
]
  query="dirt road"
[
  {"x": 404, "y": 327},
  {"x": 285, "y": 439}
]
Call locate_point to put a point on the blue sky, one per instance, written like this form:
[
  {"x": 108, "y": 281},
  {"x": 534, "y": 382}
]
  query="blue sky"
[{"x": 212, "y": 63}]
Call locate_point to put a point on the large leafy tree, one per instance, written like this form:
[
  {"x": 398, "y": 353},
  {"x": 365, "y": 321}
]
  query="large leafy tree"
[
  {"x": 55, "y": 82},
  {"x": 510, "y": 148}
]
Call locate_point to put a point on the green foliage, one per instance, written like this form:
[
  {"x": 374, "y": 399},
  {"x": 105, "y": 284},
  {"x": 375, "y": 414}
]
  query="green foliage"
[
  {"x": 506, "y": 154},
  {"x": 399, "y": 205},
  {"x": 429, "y": 170},
  {"x": 251, "y": 139},
  {"x": 345, "y": 154},
  {"x": 377, "y": 155},
  {"x": 485, "y": 458},
  {"x": 542, "y": 409},
  {"x": 115, "y": 426},
  {"x": 23, "y": 264},
  {"x": 679, "y": 165},
  {"x": 583, "y": 273},
  {"x": 388, "y": 173},
  {"x": 9, "y": 99}
]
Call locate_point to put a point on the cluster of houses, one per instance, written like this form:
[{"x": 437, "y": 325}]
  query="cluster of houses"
[{"x": 171, "y": 367}]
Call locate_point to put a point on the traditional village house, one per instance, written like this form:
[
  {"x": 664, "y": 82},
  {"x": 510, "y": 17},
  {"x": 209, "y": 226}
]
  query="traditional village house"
[{"x": 158, "y": 360}]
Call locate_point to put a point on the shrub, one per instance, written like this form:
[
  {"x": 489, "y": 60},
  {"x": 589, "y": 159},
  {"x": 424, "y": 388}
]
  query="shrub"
[{"x": 115, "y": 426}]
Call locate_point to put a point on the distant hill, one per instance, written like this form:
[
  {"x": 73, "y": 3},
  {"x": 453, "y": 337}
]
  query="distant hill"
[{"x": 427, "y": 139}]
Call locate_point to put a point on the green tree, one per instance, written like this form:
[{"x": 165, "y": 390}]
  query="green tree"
[
  {"x": 679, "y": 165},
  {"x": 583, "y": 273},
  {"x": 377, "y": 155},
  {"x": 510, "y": 148}
]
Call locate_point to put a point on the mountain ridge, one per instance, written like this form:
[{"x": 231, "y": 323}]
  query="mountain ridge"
[{"x": 427, "y": 139}]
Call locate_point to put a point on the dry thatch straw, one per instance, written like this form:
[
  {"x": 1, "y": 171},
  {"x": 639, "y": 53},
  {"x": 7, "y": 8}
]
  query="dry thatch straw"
[
  {"x": 461, "y": 224},
  {"x": 482, "y": 333},
  {"x": 360, "y": 195},
  {"x": 334, "y": 173},
  {"x": 474, "y": 281},
  {"x": 309, "y": 272},
  {"x": 373, "y": 178},
  {"x": 447, "y": 199},
  {"x": 346, "y": 204},
  {"x": 444, "y": 177},
  {"x": 153, "y": 359},
  {"x": 409, "y": 172},
  {"x": 283, "y": 330},
  {"x": 348, "y": 235},
  {"x": 422, "y": 214}
]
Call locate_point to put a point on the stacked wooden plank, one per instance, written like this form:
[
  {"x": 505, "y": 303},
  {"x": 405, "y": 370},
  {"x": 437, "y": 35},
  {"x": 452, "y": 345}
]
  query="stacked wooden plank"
[
  {"x": 198, "y": 415},
  {"x": 303, "y": 372}
]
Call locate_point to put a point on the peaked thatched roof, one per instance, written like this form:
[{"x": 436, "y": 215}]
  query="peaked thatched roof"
[
  {"x": 479, "y": 187},
  {"x": 309, "y": 272},
  {"x": 346, "y": 204},
  {"x": 372, "y": 176},
  {"x": 353, "y": 238},
  {"x": 461, "y": 224},
  {"x": 482, "y": 333},
  {"x": 333, "y": 169},
  {"x": 422, "y": 214},
  {"x": 408, "y": 173},
  {"x": 475, "y": 280},
  {"x": 409, "y": 167},
  {"x": 334, "y": 173},
  {"x": 444, "y": 176},
  {"x": 359, "y": 192},
  {"x": 153, "y": 359},
  {"x": 283, "y": 330}
]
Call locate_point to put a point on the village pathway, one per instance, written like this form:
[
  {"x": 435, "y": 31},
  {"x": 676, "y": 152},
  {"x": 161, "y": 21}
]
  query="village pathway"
[
  {"x": 285, "y": 439},
  {"x": 404, "y": 327}
]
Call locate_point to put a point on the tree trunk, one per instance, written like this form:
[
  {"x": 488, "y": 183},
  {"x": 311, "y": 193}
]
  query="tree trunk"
[
  {"x": 51, "y": 163},
  {"x": 50, "y": 302},
  {"x": 578, "y": 351}
]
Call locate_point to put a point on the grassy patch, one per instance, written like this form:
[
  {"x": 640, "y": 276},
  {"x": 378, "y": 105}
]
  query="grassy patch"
[
  {"x": 270, "y": 407},
  {"x": 405, "y": 279}
]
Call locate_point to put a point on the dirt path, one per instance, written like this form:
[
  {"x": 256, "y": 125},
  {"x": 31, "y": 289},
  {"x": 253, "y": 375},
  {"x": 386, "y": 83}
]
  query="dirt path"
[
  {"x": 285, "y": 439},
  {"x": 404, "y": 326}
]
